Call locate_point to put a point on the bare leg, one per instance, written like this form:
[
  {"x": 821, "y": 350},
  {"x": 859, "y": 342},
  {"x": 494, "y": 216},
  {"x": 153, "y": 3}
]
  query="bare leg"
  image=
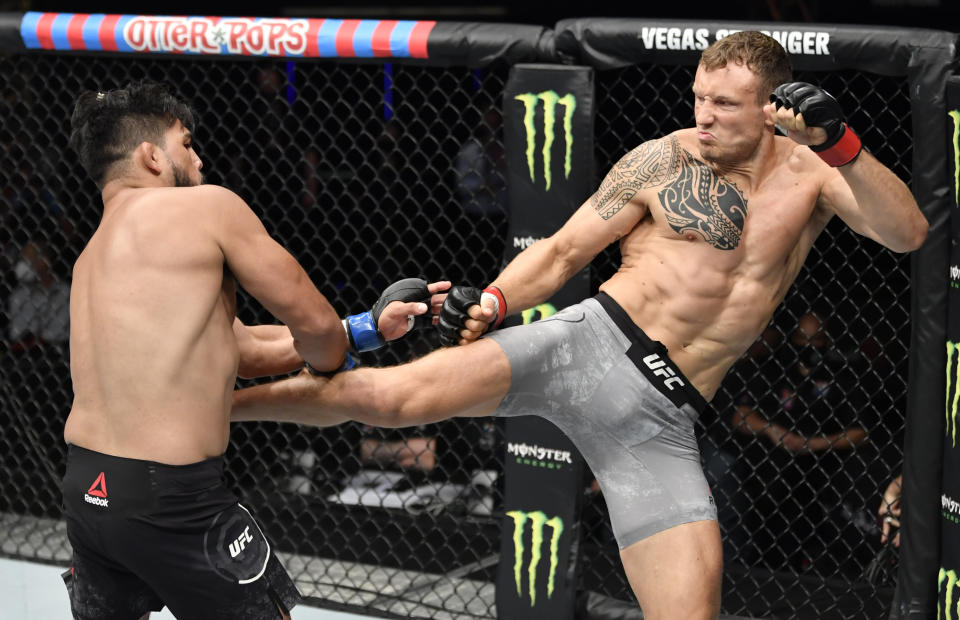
[
  {"x": 467, "y": 380},
  {"x": 676, "y": 573}
]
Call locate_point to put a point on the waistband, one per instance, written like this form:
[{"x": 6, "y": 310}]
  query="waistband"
[
  {"x": 652, "y": 359},
  {"x": 196, "y": 475}
]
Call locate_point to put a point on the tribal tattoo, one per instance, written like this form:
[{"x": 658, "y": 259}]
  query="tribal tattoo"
[
  {"x": 650, "y": 164},
  {"x": 695, "y": 198},
  {"x": 704, "y": 203}
]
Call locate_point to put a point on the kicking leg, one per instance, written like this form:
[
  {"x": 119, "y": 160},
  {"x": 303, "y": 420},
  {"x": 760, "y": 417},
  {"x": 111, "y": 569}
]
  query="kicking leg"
[
  {"x": 676, "y": 573},
  {"x": 458, "y": 381}
]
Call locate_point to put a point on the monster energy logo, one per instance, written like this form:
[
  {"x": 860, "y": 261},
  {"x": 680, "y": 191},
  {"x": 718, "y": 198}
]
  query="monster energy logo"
[
  {"x": 545, "y": 310},
  {"x": 953, "y": 379},
  {"x": 951, "y": 607},
  {"x": 550, "y": 100},
  {"x": 955, "y": 115},
  {"x": 537, "y": 521}
]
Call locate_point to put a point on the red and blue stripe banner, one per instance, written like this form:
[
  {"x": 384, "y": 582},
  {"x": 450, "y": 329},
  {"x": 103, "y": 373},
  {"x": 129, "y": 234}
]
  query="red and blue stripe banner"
[{"x": 243, "y": 36}]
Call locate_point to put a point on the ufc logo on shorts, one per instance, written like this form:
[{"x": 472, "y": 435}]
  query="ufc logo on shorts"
[
  {"x": 237, "y": 546},
  {"x": 660, "y": 368}
]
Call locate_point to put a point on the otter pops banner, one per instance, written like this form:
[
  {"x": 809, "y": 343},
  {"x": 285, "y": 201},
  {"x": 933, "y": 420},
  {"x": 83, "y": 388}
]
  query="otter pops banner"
[
  {"x": 948, "y": 586},
  {"x": 245, "y": 36}
]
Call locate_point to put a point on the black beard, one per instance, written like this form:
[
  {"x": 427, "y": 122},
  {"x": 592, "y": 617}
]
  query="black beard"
[{"x": 182, "y": 179}]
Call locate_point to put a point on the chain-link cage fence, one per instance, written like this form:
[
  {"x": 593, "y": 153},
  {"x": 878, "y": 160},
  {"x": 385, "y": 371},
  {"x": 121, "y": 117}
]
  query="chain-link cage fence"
[{"x": 368, "y": 173}]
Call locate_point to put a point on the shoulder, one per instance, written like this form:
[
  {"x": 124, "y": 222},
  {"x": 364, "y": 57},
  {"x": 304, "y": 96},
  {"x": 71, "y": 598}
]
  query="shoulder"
[
  {"x": 653, "y": 162},
  {"x": 190, "y": 197},
  {"x": 214, "y": 200},
  {"x": 214, "y": 193}
]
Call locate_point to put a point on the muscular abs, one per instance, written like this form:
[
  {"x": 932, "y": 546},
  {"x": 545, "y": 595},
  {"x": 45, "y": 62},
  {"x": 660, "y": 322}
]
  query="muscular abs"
[{"x": 691, "y": 276}]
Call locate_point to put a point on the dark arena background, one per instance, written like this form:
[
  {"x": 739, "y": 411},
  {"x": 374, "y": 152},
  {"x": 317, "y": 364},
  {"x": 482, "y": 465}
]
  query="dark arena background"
[{"x": 375, "y": 150}]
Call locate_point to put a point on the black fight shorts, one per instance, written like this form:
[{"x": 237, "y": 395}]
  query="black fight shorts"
[{"x": 145, "y": 535}]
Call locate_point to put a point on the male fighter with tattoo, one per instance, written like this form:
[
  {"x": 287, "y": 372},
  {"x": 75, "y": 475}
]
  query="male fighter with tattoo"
[
  {"x": 714, "y": 223},
  {"x": 155, "y": 349}
]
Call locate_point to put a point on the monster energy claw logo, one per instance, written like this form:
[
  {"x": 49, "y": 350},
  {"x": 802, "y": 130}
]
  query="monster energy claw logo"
[
  {"x": 953, "y": 379},
  {"x": 550, "y": 100},
  {"x": 537, "y": 521},
  {"x": 955, "y": 115},
  {"x": 947, "y": 587},
  {"x": 544, "y": 310}
]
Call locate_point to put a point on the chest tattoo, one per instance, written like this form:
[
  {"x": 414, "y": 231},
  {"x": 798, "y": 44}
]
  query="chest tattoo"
[{"x": 701, "y": 202}]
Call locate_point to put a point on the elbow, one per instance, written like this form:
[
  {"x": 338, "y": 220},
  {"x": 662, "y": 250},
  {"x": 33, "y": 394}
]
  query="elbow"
[
  {"x": 913, "y": 235},
  {"x": 917, "y": 235},
  {"x": 322, "y": 343}
]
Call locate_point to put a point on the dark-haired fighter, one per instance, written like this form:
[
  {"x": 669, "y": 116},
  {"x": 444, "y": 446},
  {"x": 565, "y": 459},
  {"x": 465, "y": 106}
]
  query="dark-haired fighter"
[
  {"x": 155, "y": 349},
  {"x": 714, "y": 223}
]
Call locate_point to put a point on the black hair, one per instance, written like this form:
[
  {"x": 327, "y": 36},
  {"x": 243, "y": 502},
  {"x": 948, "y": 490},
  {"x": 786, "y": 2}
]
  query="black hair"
[{"x": 107, "y": 126}]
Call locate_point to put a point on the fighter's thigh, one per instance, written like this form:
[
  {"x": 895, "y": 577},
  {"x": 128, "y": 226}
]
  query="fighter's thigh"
[
  {"x": 226, "y": 571},
  {"x": 101, "y": 592},
  {"x": 677, "y": 573},
  {"x": 468, "y": 380}
]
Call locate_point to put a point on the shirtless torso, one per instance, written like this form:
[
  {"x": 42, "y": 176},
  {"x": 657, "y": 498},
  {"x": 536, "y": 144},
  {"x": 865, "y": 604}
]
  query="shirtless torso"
[
  {"x": 154, "y": 342},
  {"x": 705, "y": 267},
  {"x": 153, "y": 354}
]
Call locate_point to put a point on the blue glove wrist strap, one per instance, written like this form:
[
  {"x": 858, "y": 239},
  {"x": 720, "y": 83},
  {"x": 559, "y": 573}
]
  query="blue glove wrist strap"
[{"x": 363, "y": 332}]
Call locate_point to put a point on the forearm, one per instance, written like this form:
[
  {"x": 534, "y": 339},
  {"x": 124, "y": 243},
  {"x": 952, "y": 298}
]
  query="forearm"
[
  {"x": 534, "y": 275},
  {"x": 299, "y": 400},
  {"x": 844, "y": 440},
  {"x": 749, "y": 421},
  {"x": 324, "y": 348},
  {"x": 268, "y": 352},
  {"x": 886, "y": 202}
]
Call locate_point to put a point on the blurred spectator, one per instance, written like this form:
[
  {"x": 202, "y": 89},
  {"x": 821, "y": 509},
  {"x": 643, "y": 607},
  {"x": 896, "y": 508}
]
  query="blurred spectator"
[
  {"x": 310, "y": 173},
  {"x": 482, "y": 171},
  {"x": 889, "y": 511},
  {"x": 405, "y": 449},
  {"x": 721, "y": 447},
  {"x": 39, "y": 304},
  {"x": 796, "y": 467}
]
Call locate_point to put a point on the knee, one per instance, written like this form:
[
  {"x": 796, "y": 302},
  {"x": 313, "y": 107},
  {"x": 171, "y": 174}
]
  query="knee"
[{"x": 397, "y": 398}]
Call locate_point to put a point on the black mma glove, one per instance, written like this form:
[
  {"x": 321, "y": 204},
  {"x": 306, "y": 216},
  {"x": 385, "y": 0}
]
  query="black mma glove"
[
  {"x": 820, "y": 109},
  {"x": 362, "y": 331},
  {"x": 453, "y": 314}
]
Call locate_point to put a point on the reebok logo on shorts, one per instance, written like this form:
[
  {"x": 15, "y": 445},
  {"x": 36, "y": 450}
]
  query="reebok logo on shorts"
[{"x": 97, "y": 493}]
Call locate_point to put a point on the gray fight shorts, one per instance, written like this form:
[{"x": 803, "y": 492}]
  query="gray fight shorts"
[{"x": 628, "y": 409}]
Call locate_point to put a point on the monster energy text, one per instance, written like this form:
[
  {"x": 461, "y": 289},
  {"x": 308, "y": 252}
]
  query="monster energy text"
[
  {"x": 550, "y": 100},
  {"x": 537, "y": 456},
  {"x": 538, "y": 519}
]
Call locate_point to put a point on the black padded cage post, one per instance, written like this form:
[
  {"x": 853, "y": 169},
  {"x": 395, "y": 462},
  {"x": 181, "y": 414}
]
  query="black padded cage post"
[{"x": 372, "y": 151}]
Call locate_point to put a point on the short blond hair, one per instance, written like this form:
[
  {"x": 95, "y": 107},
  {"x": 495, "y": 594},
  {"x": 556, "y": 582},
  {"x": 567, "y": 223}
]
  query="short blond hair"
[{"x": 760, "y": 53}]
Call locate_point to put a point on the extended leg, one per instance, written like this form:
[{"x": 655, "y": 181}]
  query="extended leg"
[{"x": 458, "y": 381}]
